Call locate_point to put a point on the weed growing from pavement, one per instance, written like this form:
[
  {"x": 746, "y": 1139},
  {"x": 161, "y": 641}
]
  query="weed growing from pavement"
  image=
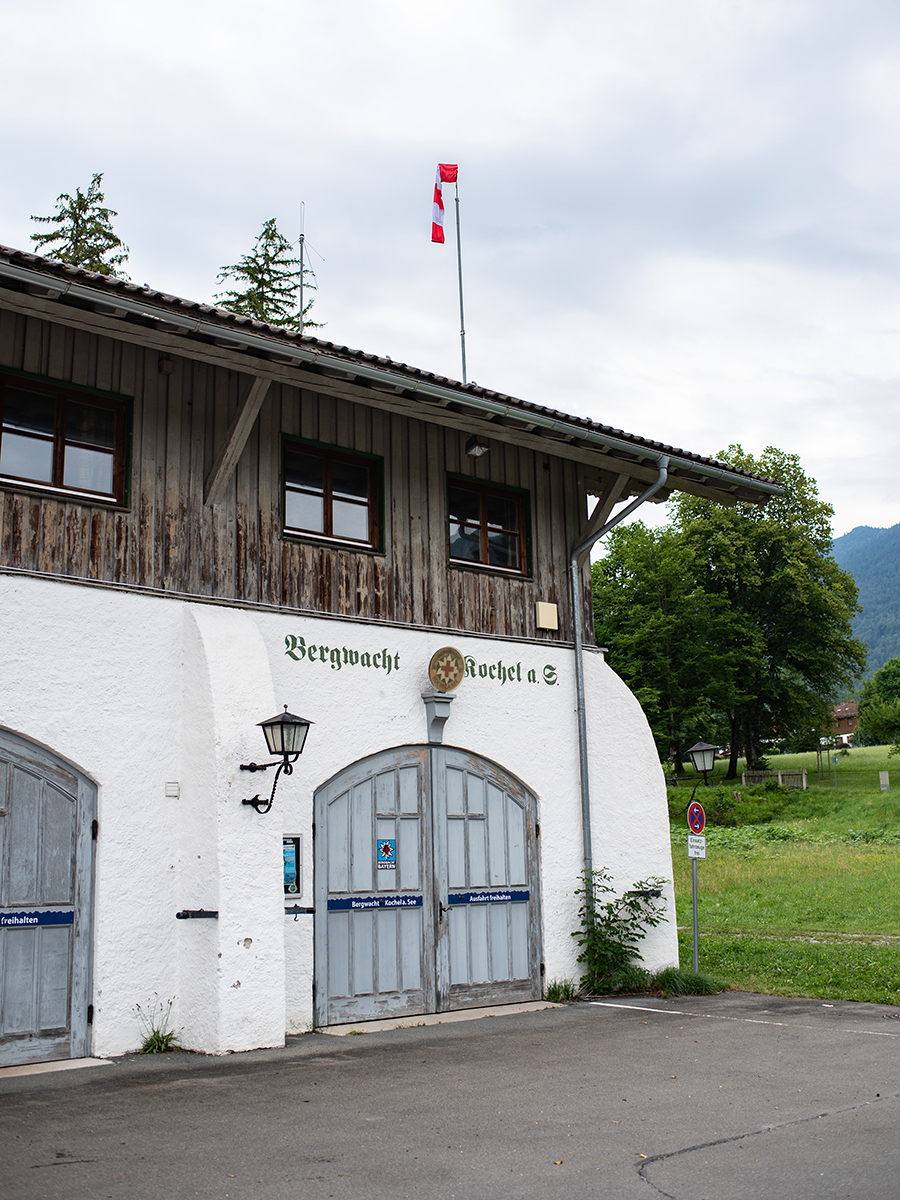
[{"x": 154, "y": 1020}]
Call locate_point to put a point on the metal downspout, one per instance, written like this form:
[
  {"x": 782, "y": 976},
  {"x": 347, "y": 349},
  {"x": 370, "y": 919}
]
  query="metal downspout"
[{"x": 584, "y": 545}]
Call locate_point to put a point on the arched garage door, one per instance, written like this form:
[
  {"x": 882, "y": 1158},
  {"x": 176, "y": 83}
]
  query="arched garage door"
[
  {"x": 46, "y": 860},
  {"x": 426, "y": 886}
]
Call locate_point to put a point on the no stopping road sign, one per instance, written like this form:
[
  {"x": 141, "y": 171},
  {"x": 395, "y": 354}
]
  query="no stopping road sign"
[{"x": 696, "y": 817}]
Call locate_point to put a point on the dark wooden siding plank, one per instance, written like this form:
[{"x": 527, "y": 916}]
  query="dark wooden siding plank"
[
  {"x": 171, "y": 393},
  {"x": 124, "y": 568},
  {"x": 381, "y": 445},
  {"x": 399, "y": 596},
  {"x": 418, "y": 523},
  {"x": 84, "y": 350},
  {"x": 270, "y": 566},
  {"x": 435, "y": 575},
  {"x": 32, "y": 350},
  {"x": 200, "y": 382},
  {"x": 11, "y": 338}
]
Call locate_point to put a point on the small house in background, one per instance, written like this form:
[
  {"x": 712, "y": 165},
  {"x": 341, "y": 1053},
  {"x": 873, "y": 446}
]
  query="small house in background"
[
  {"x": 206, "y": 521},
  {"x": 846, "y": 722}
]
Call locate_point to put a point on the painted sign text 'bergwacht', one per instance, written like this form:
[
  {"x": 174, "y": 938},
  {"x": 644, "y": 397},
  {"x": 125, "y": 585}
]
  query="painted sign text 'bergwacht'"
[{"x": 340, "y": 656}]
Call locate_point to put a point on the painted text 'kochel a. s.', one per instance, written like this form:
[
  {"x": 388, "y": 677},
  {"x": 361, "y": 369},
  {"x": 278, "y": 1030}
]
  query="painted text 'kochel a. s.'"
[{"x": 509, "y": 672}]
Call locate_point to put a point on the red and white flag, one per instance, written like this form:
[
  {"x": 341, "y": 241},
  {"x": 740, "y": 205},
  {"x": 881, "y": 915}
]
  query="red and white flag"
[{"x": 446, "y": 173}]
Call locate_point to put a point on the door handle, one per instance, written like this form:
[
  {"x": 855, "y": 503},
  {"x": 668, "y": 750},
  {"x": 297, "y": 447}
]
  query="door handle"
[{"x": 441, "y": 911}]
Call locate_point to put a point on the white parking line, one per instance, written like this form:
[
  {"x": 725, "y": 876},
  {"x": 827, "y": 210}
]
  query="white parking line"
[{"x": 677, "y": 1012}]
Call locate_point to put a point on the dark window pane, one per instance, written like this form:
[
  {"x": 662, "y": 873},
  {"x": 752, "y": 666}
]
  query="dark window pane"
[
  {"x": 28, "y": 411},
  {"x": 26, "y": 457},
  {"x": 349, "y": 480},
  {"x": 90, "y": 470},
  {"x": 503, "y": 550},
  {"x": 302, "y": 511},
  {"x": 501, "y": 512},
  {"x": 350, "y": 520},
  {"x": 87, "y": 423},
  {"x": 304, "y": 470},
  {"x": 465, "y": 542},
  {"x": 465, "y": 505}
]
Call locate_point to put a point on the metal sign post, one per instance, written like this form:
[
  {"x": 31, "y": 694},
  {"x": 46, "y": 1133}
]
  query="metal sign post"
[{"x": 696, "y": 849}]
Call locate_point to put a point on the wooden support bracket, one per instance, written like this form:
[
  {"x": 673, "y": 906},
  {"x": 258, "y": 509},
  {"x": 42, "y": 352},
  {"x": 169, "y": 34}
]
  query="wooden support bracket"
[
  {"x": 235, "y": 440},
  {"x": 602, "y": 509}
]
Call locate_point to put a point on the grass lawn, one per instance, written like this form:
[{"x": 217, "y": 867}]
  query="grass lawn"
[{"x": 802, "y": 896}]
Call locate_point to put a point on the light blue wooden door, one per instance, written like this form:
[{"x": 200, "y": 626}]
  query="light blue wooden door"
[
  {"x": 426, "y": 886},
  {"x": 486, "y": 866},
  {"x": 374, "y": 909},
  {"x": 46, "y": 851}
]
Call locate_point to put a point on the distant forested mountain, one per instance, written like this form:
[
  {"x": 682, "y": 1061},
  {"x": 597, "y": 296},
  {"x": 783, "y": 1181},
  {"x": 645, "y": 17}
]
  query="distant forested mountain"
[{"x": 872, "y": 556}]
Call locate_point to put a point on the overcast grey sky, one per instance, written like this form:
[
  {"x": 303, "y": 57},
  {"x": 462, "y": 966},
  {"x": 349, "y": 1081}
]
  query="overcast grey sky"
[{"x": 680, "y": 217}]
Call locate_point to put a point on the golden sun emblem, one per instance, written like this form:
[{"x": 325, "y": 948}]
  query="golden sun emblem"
[{"x": 446, "y": 669}]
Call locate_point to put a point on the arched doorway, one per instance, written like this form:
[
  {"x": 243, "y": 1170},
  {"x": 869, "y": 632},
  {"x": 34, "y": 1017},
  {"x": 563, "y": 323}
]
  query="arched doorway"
[
  {"x": 427, "y": 892},
  {"x": 47, "y": 832}
]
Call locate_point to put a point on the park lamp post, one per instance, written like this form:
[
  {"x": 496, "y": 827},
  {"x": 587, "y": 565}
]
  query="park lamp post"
[{"x": 703, "y": 756}]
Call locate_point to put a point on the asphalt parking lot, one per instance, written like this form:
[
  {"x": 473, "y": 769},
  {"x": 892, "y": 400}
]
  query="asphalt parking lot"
[{"x": 728, "y": 1097}]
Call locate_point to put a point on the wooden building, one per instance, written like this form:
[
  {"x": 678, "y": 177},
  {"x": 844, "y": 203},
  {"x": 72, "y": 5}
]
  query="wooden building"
[{"x": 204, "y": 519}]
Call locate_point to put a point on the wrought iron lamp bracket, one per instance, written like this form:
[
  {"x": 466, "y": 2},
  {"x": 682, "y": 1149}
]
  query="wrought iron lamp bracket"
[{"x": 263, "y": 806}]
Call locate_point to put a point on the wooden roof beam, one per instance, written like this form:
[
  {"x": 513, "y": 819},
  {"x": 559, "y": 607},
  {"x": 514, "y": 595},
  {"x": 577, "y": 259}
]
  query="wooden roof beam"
[
  {"x": 612, "y": 494},
  {"x": 235, "y": 441}
]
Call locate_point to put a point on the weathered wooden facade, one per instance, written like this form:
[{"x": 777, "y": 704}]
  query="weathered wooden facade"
[
  {"x": 165, "y": 537},
  {"x": 161, "y": 459}
]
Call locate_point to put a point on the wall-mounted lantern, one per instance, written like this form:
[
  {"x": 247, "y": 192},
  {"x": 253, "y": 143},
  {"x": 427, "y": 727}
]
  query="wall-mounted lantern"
[
  {"x": 476, "y": 446},
  {"x": 703, "y": 756},
  {"x": 285, "y": 735}
]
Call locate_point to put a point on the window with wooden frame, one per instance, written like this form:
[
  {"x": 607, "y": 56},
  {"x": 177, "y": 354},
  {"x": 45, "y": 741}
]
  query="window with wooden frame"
[
  {"x": 59, "y": 439},
  {"x": 330, "y": 493},
  {"x": 488, "y": 526}
]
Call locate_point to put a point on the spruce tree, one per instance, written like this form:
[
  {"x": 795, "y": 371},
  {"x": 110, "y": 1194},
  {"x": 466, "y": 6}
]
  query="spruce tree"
[
  {"x": 268, "y": 280},
  {"x": 84, "y": 234}
]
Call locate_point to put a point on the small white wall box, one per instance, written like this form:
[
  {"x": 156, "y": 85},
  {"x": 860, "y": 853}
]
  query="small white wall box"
[
  {"x": 173, "y": 791},
  {"x": 547, "y": 616}
]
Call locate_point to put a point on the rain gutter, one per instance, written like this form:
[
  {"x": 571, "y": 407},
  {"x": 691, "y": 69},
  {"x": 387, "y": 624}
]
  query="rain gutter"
[{"x": 306, "y": 356}]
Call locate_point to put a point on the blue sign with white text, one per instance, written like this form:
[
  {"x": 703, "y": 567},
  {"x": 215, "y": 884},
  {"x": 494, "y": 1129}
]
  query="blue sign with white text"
[
  {"x": 482, "y": 897},
  {"x": 28, "y": 918},
  {"x": 359, "y": 903}
]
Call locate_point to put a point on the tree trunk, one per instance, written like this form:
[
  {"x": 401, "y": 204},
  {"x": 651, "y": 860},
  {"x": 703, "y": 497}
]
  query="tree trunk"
[
  {"x": 734, "y": 748},
  {"x": 750, "y": 748}
]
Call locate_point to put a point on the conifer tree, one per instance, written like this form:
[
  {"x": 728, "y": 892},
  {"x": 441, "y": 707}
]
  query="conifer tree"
[
  {"x": 83, "y": 233},
  {"x": 268, "y": 280}
]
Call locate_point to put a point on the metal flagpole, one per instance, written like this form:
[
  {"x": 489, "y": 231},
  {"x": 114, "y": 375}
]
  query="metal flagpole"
[
  {"x": 302, "y": 223},
  {"x": 462, "y": 319}
]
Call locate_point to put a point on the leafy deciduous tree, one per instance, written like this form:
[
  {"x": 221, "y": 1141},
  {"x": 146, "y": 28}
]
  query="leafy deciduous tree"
[
  {"x": 790, "y": 601},
  {"x": 879, "y": 706},
  {"x": 84, "y": 234},
  {"x": 268, "y": 280},
  {"x": 671, "y": 641},
  {"x": 740, "y": 612}
]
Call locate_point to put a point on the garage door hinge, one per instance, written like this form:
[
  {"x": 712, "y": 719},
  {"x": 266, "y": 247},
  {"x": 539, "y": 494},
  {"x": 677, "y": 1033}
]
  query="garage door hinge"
[
  {"x": 90, "y": 1014},
  {"x": 95, "y": 829}
]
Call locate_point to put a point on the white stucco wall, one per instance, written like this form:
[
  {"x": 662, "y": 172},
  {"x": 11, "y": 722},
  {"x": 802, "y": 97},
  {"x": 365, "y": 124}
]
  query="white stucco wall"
[{"x": 139, "y": 691}]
